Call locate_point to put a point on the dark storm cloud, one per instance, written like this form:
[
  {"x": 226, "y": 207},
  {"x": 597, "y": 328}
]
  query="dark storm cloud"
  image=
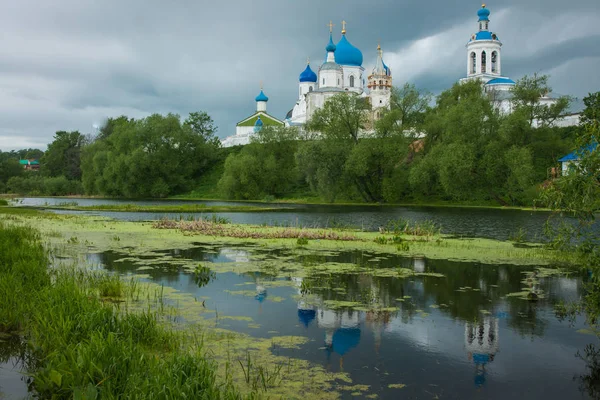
[{"x": 70, "y": 64}]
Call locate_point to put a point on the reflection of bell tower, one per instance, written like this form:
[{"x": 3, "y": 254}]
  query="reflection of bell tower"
[{"x": 481, "y": 343}]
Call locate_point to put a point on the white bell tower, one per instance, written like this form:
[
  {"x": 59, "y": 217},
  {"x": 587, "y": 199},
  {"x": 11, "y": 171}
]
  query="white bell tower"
[{"x": 483, "y": 51}]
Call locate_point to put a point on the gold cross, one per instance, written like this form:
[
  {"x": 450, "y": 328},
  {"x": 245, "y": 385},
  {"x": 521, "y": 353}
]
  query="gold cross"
[
  {"x": 330, "y": 25},
  {"x": 308, "y": 60},
  {"x": 261, "y": 85},
  {"x": 343, "y": 27}
]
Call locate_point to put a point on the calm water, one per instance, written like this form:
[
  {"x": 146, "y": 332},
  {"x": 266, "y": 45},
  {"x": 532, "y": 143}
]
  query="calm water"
[
  {"x": 454, "y": 337},
  {"x": 469, "y": 222}
]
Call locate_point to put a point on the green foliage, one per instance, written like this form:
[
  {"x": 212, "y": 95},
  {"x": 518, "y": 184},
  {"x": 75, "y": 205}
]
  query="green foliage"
[
  {"x": 81, "y": 347},
  {"x": 302, "y": 241},
  {"x": 63, "y": 157},
  {"x": 3, "y": 202},
  {"x": 577, "y": 193},
  {"x": 152, "y": 157},
  {"x": 10, "y": 168},
  {"x": 265, "y": 167},
  {"x": 38, "y": 185}
]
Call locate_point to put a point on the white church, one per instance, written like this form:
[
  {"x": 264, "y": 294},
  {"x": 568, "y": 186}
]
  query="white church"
[{"x": 343, "y": 71}]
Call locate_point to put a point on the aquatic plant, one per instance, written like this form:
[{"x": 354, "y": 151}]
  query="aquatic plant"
[
  {"x": 518, "y": 236},
  {"x": 302, "y": 241},
  {"x": 81, "y": 347},
  {"x": 205, "y": 227},
  {"x": 203, "y": 275}
]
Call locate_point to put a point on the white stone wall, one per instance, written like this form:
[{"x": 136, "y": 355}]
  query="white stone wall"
[{"x": 359, "y": 76}]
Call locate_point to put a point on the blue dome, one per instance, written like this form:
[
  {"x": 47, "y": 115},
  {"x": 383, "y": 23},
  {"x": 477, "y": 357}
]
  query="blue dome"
[
  {"x": 308, "y": 75},
  {"x": 330, "y": 46},
  {"x": 346, "y": 54},
  {"x": 258, "y": 122},
  {"x": 261, "y": 97},
  {"x": 483, "y": 13},
  {"x": 483, "y": 35},
  {"x": 501, "y": 81}
]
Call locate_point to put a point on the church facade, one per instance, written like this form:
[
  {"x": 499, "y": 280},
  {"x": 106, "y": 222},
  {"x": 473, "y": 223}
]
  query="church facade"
[{"x": 343, "y": 72}]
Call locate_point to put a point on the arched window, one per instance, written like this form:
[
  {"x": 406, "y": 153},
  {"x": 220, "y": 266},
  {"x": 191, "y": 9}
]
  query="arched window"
[
  {"x": 483, "y": 62},
  {"x": 351, "y": 80},
  {"x": 338, "y": 82},
  {"x": 310, "y": 89},
  {"x": 495, "y": 61},
  {"x": 473, "y": 63},
  {"x": 381, "y": 82},
  {"x": 323, "y": 81}
]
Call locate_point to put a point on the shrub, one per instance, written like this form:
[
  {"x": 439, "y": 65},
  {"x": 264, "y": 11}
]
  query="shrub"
[{"x": 302, "y": 241}]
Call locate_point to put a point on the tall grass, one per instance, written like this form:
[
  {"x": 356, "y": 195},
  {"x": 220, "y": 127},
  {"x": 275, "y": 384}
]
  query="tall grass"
[{"x": 82, "y": 347}]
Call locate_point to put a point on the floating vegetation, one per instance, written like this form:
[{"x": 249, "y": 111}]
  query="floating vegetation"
[
  {"x": 238, "y": 231},
  {"x": 397, "y": 386},
  {"x": 255, "y": 294},
  {"x": 203, "y": 275}
]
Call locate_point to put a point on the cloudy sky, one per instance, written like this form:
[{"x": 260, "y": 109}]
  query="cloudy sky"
[{"x": 69, "y": 64}]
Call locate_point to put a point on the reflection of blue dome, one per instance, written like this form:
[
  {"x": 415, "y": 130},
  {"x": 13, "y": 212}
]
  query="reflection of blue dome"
[
  {"x": 308, "y": 75},
  {"x": 346, "y": 54},
  {"x": 481, "y": 359},
  {"x": 263, "y": 295},
  {"x": 330, "y": 46},
  {"x": 261, "y": 96},
  {"x": 483, "y": 14},
  {"x": 344, "y": 339},
  {"x": 306, "y": 316},
  {"x": 479, "y": 380}
]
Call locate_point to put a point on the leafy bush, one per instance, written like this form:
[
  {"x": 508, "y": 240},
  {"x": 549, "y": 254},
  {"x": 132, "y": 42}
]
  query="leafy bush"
[
  {"x": 302, "y": 241},
  {"x": 37, "y": 185}
]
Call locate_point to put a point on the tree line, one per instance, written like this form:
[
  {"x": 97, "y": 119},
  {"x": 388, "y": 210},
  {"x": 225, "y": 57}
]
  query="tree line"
[
  {"x": 461, "y": 149},
  {"x": 457, "y": 147}
]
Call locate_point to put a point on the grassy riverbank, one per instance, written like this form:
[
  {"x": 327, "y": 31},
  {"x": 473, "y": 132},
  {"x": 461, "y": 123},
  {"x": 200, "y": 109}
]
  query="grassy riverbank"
[{"x": 79, "y": 345}]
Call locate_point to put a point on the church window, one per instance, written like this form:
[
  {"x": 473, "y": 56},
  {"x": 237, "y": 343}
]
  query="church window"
[
  {"x": 483, "y": 62},
  {"x": 310, "y": 89},
  {"x": 381, "y": 82},
  {"x": 494, "y": 62},
  {"x": 338, "y": 82},
  {"x": 323, "y": 81},
  {"x": 351, "y": 81},
  {"x": 473, "y": 63}
]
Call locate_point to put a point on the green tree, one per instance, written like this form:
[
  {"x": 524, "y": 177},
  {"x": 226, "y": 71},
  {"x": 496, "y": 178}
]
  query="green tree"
[
  {"x": 151, "y": 157},
  {"x": 265, "y": 167},
  {"x": 10, "y": 168},
  {"x": 528, "y": 94},
  {"x": 63, "y": 157},
  {"x": 577, "y": 193}
]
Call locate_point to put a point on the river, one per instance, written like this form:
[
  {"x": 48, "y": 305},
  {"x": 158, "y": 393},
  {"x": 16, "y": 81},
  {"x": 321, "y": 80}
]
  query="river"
[{"x": 468, "y": 222}]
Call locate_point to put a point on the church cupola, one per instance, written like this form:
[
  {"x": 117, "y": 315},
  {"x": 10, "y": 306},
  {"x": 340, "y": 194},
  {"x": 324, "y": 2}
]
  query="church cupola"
[
  {"x": 261, "y": 101},
  {"x": 330, "y": 73},
  {"x": 308, "y": 81},
  {"x": 484, "y": 18},
  {"x": 483, "y": 49},
  {"x": 380, "y": 84}
]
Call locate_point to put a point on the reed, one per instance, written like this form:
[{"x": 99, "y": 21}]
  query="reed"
[{"x": 81, "y": 346}]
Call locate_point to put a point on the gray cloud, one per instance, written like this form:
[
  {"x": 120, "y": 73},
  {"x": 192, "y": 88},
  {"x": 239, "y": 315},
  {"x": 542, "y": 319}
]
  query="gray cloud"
[{"x": 70, "y": 64}]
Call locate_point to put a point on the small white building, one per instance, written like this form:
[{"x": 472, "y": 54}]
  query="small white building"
[
  {"x": 573, "y": 159},
  {"x": 246, "y": 128}
]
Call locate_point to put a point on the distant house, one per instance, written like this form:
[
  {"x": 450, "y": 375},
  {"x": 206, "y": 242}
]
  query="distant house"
[
  {"x": 573, "y": 159},
  {"x": 30, "y": 164}
]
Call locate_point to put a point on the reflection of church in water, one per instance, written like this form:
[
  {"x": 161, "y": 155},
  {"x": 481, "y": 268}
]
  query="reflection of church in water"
[{"x": 481, "y": 343}]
